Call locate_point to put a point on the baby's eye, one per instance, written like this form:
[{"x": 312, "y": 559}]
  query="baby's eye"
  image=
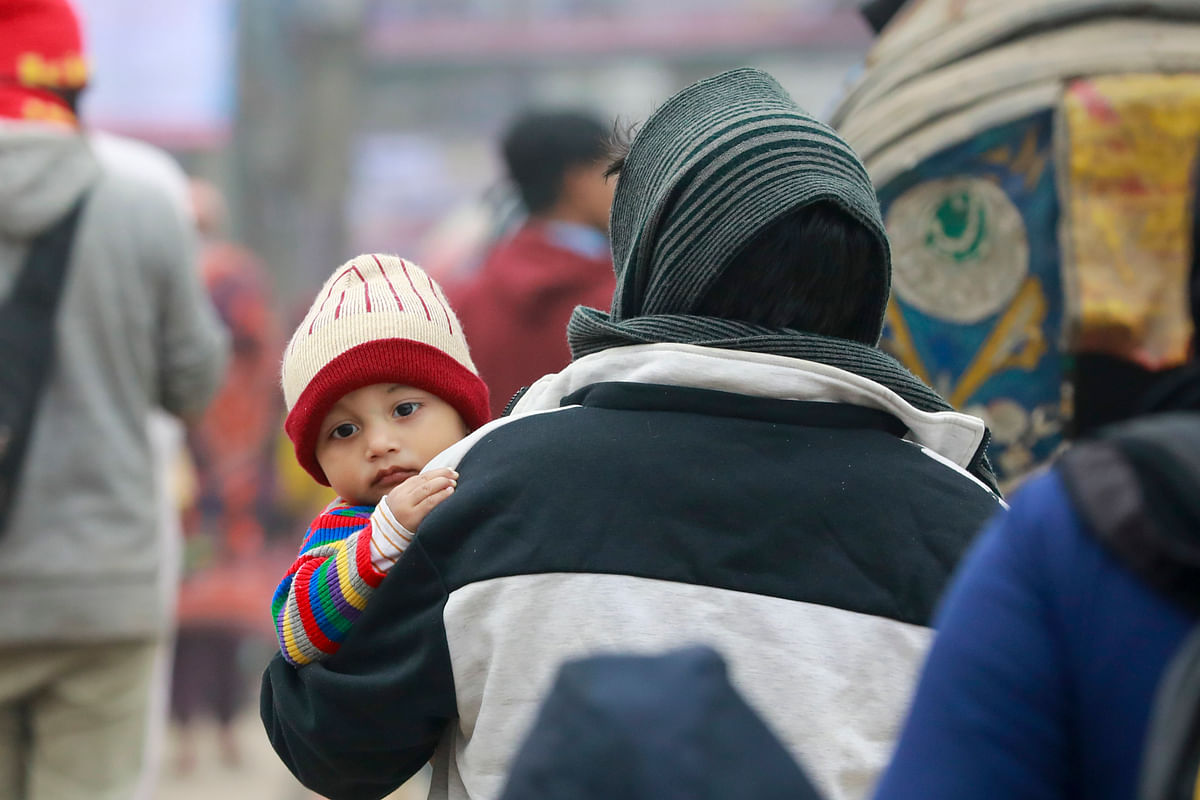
[
  {"x": 405, "y": 409},
  {"x": 343, "y": 431}
]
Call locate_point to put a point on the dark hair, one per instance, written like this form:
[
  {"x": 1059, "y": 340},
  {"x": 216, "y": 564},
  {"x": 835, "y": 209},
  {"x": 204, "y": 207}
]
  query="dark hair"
[
  {"x": 815, "y": 269},
  {"x": 540, "y": 146},
  {"x": 71, "y": 98},
  {"x": 617, "y": 147},
  {"x": 878, "y": 13}
]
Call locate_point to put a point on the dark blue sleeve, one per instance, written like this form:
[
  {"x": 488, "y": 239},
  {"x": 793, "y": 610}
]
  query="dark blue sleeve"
[{"x": 991, "y": 712}]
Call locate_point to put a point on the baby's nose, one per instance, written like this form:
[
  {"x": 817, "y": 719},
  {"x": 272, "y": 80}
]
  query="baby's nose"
[{"x": 381, "y": 442}]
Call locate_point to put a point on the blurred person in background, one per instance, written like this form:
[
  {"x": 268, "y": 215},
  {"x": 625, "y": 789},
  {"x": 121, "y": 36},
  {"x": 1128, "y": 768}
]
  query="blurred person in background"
[
  {"x": 231, "y": 446},
  {"x": 728, "y": 460},
  {"x": 1060, "y": 627},
  {"x": 515, "y": 308},
  {"x": 454, "y": 250},
  {"x": 81, "y": 555}
]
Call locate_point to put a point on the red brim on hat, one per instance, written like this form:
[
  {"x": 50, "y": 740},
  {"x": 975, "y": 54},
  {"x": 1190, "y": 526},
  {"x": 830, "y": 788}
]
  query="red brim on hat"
[
  {"x": 41, "y": 57},
  {"x": 35, "y": 105},
  {"x": 382, "y": 361}
]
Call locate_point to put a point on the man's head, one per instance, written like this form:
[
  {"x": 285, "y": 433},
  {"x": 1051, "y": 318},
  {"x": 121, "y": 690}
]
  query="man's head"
[
  {"x": 379, "y": 321},
  {"x": 733, "y": 202},
  {"x": 42, "y": 66},
  {"x": 557, "y": 161}
]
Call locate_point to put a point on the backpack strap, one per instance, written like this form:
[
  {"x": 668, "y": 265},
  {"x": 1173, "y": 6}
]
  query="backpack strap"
[
  {"x": 27, "y": 340},
  {"x": 1172, "y": 756},
  {"x": 1138, "y": 487}
]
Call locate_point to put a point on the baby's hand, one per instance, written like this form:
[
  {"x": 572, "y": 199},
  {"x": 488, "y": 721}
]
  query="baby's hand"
[{"x": 412, "y": 500}]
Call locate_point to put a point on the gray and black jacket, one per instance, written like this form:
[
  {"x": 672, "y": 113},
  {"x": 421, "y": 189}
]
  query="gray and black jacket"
[{"x": 799, "y": 519}]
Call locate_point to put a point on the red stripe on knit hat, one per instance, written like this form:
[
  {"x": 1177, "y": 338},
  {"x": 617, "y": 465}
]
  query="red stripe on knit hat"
[
  {"x": 324, "y": 300},
  {"x": 366, "y": 288},
  {"x": 437, "y": 296},
  {"x": 383, "y": 270},
  {"x": 337, "y": 312},
  {"x": 404, "y": 267},
  {"x": 382, "y": 361}
]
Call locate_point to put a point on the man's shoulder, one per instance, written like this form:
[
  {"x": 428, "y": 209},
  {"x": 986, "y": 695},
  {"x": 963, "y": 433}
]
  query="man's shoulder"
[
  {"x": 571, "y": 490},
  {"x": 142, "y": 184},
  {"x": 872, "y": 462},
  {"x": 498, "y": 437},
  {"x": 129, "y": 161},
  {"x": 1045, "y": 542}
]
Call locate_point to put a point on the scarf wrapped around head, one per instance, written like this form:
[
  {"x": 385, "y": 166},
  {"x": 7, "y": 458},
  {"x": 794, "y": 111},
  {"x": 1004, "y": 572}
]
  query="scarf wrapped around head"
[{"x": 709, "y": 170}]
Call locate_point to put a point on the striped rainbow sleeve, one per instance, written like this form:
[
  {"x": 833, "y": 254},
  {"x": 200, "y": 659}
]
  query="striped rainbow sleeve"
[{"x": 328, "y": 585}]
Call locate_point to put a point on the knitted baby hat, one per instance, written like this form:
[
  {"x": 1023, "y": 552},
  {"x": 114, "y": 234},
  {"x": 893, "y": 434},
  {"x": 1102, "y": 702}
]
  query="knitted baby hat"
[{"x": 378, "y": 319}]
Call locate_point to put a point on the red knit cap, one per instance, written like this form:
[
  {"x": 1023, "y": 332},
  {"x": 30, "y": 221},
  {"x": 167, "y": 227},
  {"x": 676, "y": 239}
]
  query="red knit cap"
[
  {"x": 378, "y": 319},
  {"x": 41, "y": 56}
]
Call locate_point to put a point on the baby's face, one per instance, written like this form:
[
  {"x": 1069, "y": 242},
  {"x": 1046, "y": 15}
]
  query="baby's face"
[{"x": 378, "y": 436}]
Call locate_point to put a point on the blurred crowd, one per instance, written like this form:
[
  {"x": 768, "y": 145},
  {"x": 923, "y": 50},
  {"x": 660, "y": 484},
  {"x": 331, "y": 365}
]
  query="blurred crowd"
[{"x": 751, "y": 454}]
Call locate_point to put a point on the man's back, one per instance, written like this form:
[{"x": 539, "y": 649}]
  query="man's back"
[
  {"x": 80, "y": 553},
  {"x": 803, "y": 553},
  {"x": 1059, "y": 628}
]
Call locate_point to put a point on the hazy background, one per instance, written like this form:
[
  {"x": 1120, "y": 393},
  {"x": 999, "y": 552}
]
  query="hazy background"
[
  {"x": 342, "y": 126},
  {"x": 336, "y": 127}
]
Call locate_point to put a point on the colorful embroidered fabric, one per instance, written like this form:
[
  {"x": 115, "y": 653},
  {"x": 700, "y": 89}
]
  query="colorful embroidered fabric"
[
  {"x": 1033, "y": 165},
  {"x": 1131, "y": 139},
  {"x": 977, "y": 303}
]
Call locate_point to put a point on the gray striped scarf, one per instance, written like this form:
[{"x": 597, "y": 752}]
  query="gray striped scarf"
[{"x": 712, "y": 167}]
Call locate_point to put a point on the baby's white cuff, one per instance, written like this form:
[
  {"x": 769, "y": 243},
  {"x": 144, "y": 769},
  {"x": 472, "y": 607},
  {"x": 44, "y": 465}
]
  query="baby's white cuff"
[{"x": 388, "y": 537}]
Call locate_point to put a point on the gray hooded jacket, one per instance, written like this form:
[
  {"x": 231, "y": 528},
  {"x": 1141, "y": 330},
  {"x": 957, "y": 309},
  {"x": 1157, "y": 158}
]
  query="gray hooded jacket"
[{"x": 81, "y": 559}]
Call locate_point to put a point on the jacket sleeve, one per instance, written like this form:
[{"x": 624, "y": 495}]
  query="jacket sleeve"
[
  {"x": 192, "y": 342},
  {"x": 345, "y": 554},
  {"x": 990, "y": 718},
  {"x": 364, "y": 721}
]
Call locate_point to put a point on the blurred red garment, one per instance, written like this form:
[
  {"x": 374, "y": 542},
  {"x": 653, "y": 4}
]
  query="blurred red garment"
[
  {"x": 232, "y": 447},
  {"x": 515, "y": 309}
]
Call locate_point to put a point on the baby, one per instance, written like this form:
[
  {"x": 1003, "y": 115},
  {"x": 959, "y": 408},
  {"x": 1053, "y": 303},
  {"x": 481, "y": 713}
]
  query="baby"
[{"x": 377, "y": 381}]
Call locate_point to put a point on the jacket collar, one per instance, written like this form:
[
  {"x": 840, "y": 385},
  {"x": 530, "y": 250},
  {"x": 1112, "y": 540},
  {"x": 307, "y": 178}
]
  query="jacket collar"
[{"x": 952, "y": 435}]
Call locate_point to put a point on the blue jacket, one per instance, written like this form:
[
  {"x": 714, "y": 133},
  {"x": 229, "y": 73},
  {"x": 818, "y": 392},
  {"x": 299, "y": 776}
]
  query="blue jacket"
[{"x": 1043, "y": 672}]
